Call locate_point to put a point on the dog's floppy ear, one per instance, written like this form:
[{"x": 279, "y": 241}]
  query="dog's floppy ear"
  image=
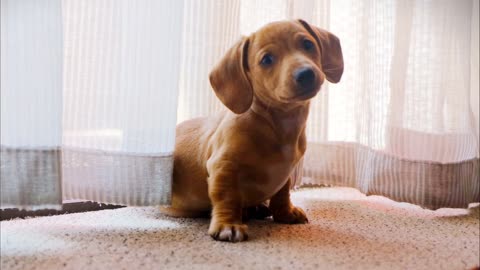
[
  {"x": 331, "y": 52},
  {"x": 229, "y": 78}
]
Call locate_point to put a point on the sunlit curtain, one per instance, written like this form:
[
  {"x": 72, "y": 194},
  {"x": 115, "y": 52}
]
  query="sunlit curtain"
[
  {"x": 403, "y": 121},
  {"x": 88, "y": 101}
]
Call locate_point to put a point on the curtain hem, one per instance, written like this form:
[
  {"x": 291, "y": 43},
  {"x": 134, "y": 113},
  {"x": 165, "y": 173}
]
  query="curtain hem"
[
  {"x": 30, "y": 178},
  {"x": 428, "y": 184},
  {"x": 116, "y": 178}
]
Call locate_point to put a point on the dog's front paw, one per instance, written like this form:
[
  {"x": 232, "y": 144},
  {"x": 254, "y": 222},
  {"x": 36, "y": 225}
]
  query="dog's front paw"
[
  {"x": 294, "y": 215},
  {"x": 228, "y": 232}
]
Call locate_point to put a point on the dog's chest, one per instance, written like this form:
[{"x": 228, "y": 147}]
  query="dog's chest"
[{"x": 270, "y": 172}]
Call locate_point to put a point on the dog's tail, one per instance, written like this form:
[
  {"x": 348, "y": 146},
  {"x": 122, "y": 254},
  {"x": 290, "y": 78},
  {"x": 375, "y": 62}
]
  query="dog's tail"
[{"x": 175, "y": 212}]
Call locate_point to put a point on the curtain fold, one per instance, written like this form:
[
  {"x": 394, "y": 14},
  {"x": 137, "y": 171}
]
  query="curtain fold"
[
  {"x": 120, "y": 93},
  {"x": 209, "y": 28}
]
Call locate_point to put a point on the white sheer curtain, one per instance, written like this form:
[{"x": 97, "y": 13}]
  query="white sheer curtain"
[
  {"x": 120, "y": 94},
  {"x": 403, "y": 122},
  {"x": 89, "y": 93},
  {"x": 89, "y": 96},
  {"x": 31, "y": 103}
]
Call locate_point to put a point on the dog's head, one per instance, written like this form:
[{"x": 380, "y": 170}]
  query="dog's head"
[{"x": 281, "y": 64}]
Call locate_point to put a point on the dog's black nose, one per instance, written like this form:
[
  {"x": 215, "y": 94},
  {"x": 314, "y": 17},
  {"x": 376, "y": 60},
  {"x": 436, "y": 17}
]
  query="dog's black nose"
[{"x": 305, "y": 78}]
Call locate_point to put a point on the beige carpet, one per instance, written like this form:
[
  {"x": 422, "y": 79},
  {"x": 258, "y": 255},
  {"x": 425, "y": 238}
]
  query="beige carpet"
[{"x": 346, "y": 231}]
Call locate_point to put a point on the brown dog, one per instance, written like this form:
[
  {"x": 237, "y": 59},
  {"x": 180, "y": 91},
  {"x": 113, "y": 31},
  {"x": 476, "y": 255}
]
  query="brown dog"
[{"x": 244, "y": 157}]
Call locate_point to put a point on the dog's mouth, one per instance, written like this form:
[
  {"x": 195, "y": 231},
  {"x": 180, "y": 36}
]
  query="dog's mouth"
[
  {"x": 307, "y": 94},
  {"x": 303, "y": 95},
  {"x": 298, "y": 95}
]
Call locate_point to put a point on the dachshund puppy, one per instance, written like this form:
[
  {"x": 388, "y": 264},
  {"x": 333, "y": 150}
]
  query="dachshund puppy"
[{"x": 244, "y": 157}]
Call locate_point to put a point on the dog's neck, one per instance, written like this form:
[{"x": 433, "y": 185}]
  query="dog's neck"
[{"x": 288, "y": 124}]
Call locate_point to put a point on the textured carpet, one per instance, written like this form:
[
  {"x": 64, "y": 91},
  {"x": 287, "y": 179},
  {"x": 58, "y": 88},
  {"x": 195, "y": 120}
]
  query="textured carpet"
[{"x": 347, "y": 230}]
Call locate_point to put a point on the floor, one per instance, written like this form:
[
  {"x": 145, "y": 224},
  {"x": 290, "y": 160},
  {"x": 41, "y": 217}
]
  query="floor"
[{"x": 347, "y": 230}]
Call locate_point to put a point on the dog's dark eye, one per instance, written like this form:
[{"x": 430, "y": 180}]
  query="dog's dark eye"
[
  {"x": 267, "y": 60},
  {"x": 308, "y": 45}
]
